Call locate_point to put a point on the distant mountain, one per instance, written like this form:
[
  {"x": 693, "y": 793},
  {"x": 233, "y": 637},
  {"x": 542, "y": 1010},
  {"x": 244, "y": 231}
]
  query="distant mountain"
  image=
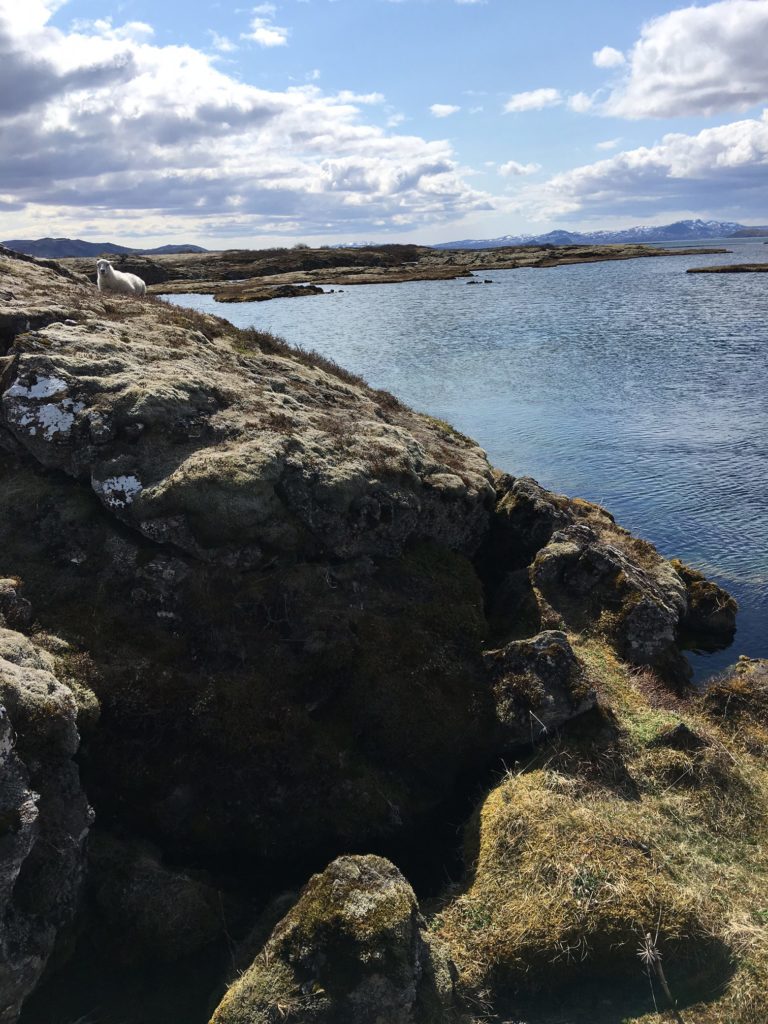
[
  {"x": 61, "y": 248},
  {"x": 680, "y": 231},
  {"x": 756, "y": 232}
]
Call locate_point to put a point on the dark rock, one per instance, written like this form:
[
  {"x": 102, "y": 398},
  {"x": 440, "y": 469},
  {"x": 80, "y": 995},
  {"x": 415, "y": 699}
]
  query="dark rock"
[
  {"x": 539, "y": 685},
  {"x": 15, "y": 611},
  {"x": 711, "y": 611},
  {"x": 44, "y": 817},
  {"x": 144, "y": 911}
]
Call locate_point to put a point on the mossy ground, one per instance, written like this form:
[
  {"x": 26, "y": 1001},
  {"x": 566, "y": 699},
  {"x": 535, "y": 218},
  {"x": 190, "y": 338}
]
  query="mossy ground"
[{"x": 628, "y": 825}]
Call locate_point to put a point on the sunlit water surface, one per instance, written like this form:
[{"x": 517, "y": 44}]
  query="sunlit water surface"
[{"x": 629, "y": 383}]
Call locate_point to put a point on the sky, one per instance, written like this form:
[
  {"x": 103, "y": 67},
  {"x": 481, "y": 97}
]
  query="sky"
[{"x": 324, "y": 121}]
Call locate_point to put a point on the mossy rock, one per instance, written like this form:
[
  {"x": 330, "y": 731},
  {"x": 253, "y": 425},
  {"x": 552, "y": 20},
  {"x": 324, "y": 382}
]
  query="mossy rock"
[{"x": 352, "y": 950}]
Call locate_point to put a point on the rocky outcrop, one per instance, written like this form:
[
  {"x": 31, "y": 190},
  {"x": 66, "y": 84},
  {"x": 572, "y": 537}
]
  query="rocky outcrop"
[
  {"x": 296, "y": 565},
  {"x": 582, "y": 582},
  {"x": 353, "y": 950},
  {"x": 235, "y": 456},
  {"x": 44, "y": 817},
  {"x": 587, "y": 573}
]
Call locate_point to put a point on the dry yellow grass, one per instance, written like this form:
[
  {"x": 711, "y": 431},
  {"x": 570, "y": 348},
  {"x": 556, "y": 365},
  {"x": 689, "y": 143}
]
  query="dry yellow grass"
[{"x": 650, "y": 817}]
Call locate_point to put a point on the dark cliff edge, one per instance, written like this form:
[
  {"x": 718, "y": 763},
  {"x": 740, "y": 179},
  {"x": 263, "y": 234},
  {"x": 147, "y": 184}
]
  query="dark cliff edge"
[{"x": 307, "y": 713}]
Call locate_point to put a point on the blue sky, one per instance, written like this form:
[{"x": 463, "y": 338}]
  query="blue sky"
[{"x": 402, "y": 120}]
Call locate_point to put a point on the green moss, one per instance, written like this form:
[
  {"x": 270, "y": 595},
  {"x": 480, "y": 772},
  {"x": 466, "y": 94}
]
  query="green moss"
[{"x": 449, "y": 430}]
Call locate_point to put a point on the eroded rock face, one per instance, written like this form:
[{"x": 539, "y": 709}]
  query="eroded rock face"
[
  {"x": 44, "y": 817},
  {"x": 353, "y": 950}
]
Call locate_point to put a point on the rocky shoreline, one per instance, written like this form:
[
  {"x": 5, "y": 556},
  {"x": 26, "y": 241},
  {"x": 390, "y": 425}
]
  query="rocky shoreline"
[
  {"x": 268, "y": 636},
  {"x": 235, "y": 275}
]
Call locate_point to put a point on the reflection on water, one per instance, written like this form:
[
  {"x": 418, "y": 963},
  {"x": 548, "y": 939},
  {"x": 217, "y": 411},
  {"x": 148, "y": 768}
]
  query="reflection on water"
[{"x": 631, "y": 383}]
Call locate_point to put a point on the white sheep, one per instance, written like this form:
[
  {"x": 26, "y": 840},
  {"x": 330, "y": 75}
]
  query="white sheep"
[{"x": 111, "y": 280}]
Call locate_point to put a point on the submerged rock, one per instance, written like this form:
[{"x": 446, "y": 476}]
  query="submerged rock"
[{"x": 353, "y": 950}]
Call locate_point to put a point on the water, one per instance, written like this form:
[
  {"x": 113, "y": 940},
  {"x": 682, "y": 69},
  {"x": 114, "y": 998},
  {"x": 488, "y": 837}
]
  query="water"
[{"x": 629, "y": 383}]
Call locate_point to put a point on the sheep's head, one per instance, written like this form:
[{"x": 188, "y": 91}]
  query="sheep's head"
[{"x": 102, "y": 266}]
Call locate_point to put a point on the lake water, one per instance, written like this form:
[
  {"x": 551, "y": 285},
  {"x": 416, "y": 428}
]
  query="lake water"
[{"x": 629, "y": 383}]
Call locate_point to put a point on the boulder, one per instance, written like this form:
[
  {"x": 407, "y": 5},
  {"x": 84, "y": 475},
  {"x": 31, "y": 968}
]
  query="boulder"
[
  {"x": 353, "y": 950},
  {"x": 539, "y": 685},
  {"x": 711, "y": 611},
  {"x": 44, "y": 817}
]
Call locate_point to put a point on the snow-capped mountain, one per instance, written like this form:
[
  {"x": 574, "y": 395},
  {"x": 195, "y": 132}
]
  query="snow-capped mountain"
[{"x": 681, "y": 230}]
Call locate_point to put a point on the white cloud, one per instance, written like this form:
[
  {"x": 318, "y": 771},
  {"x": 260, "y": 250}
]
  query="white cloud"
[
  {"x": 608, "y": 57},
  {"x": 722, "y": 168},
  {"x": 697, "y": 61},
  {"x": 580, "y": 102},
  {"x": 513, "y": 168},
  {"x": 444, "y": 109},
  {"x": 264, "y": 32},
  {"x": 104, "y": 133},
  {"x": 608, "y": 144},
  {"x": 536, "y": 99},
  {"x": 221, "y": 43},
  {"x": 366, "y": 98}
]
